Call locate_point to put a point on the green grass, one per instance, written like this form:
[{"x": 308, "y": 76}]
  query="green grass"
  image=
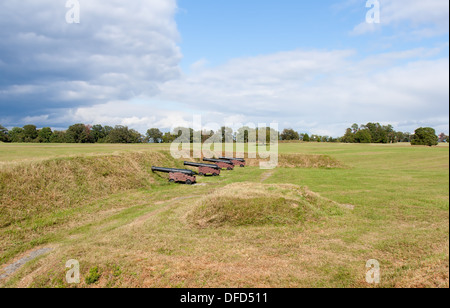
[
  {"x": 26, "y": 152},
  {"x": 395, "y": 208}
]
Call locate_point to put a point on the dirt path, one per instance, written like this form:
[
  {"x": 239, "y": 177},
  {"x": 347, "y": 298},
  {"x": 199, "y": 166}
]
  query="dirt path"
[{"x": 14, "y": 267}]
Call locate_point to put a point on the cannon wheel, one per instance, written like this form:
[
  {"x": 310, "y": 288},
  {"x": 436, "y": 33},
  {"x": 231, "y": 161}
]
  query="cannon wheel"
[
  {"x": 242, "y": 166},
  {"x": 172, "y": 181},
  {"x": 229, "y": 168},
  {"x": 189, "y": 182},
  {"x": 201, "y": 174}
]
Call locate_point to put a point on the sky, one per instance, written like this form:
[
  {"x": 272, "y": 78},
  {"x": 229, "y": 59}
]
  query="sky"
[{"x": 314, "y": 66}]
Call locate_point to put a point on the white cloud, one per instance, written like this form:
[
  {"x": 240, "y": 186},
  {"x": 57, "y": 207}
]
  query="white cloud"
[
  {"x": 320, "y": 91},
  {"x": 423, "y": 18},
  {"x": 118, "y": 51}
]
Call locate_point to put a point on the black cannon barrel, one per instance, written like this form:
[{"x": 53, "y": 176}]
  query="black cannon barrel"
[
  {"x": 218, "y": 160},
  {"x": 229, "y": 158},
  {"x": 172, "y": 170},
  {"x": 187, "y": 163}
]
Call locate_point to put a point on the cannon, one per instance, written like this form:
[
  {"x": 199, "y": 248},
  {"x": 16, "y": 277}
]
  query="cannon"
[
  {"x": 204, "y": 169},
  {"x": 236, "y": 161},
  {"x": 221, "y": 163},
  {"x": 178, "y": 175}
]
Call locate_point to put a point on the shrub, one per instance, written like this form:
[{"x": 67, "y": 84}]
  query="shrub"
[
  {"x": 425, "y": 136},
  {"x": 94, "y": 275}
]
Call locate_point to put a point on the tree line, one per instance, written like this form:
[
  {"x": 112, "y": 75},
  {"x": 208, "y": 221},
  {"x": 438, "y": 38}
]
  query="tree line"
[
  {"x": 373, "y": 133},
  {"x": 82, "y": 133}
]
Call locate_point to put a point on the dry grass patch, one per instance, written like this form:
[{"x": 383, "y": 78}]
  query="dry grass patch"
[{"x": 245, "y": 204}]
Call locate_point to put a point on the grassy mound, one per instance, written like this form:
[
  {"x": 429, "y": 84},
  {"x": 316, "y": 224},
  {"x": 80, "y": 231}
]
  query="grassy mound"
[
  {"x": 34, "y": 189},
  {"x": 251, "y": 204}
]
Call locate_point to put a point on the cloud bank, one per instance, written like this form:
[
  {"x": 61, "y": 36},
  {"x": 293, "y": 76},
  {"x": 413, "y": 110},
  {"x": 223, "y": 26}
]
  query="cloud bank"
[{"x": 117, "y": 52}]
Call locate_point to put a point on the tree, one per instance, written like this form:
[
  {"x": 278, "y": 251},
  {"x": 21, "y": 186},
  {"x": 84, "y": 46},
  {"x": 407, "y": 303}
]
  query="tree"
[
  {"x": 79, "y": 133},
  {"x": 3, "y": 134},
  {"x": 290, "y": 134},
  {"x": 314, "y": 138},
  {"x": 425, "y": 136},
  {"x": 30, "y": 133},
  {"x": 122, "y": 134},
  {"x": 267, "y": 135},
  {"x": 306, "y": 138},
  {"x": 45, "y": 135},
  {"x": 168, "y": 138},
  {"x": 227, "y": 134},
  {"x": 363, "y": 136},
  {"x": 58, "y": 137},
  {"x": 154, "y": 135},
  {"x": 16, "y": 134},
  {"x": 390, "y": 133},
  {"x": 246, "y": 134},
  {"x": 378, "y": 133},
  {"x": 98, "y": 133},
  {"x": 349, "y": 136},
  {"x": 206, "y": 135}
]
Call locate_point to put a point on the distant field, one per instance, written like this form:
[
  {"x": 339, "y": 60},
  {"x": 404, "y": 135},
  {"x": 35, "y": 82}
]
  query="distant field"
[
  {"x": 17, "y": 152},
  {"x": 288, "y": 227}
]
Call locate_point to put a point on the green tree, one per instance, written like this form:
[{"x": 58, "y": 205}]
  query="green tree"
[
  {"x": 290, "y": 134},
  {"x": 363, "y": 136},
  {"x": 246, "y": 134},
  {"x": 306, "y": 138},
  {"x": 30, "y": 133},
  {"x": 154, "y": 135},
  {"x": 98, "y": 133},
  {"x": 79, "y": 133},
  {"x": 3, "y": 134},
  {"x": 122, "y": 134},
  {"x": 390, "y": 133},
  {"x": 45, "y": 135},
  {"x": 16, "y": 134},
  {"x": 227, "y": 134},
  {"x": 349, "y": 136},
  {"x": 58, "y": 137},
  {"x": 425, "y": 136},
  {"x": 168, "y": 138},
  {"x": 378, "y": 133}
]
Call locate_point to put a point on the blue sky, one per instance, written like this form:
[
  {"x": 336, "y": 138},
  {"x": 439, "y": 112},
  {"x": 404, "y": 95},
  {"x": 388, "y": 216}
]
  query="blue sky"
[
  {"x": 315, "y": 66},
  {"x": 222, "y": 30}
]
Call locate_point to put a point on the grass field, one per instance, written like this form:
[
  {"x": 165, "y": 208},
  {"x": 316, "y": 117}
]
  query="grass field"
[{"x": 301, "y": 225}]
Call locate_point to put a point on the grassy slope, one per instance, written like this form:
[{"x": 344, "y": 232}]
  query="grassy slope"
[{"x": 143, "y": 237}]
